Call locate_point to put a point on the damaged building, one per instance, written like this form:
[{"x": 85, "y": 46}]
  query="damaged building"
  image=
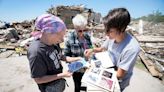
[{"x": 66, "y": 13}]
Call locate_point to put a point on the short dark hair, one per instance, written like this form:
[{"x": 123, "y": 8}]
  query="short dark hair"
[{"x": 117, "y": 18}]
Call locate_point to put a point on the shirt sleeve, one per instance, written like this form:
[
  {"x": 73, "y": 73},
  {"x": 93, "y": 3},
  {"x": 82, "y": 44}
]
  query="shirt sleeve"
[
  {"x": 105, "y": 44},
  {"x": 38, "y": 67},
  {"x": 128, "y": 60},
  {"x": 67, "y": 48}
]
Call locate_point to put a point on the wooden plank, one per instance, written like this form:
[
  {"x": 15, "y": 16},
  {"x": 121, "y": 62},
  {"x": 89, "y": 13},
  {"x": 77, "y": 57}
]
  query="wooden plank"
[
  {"x": 7, "y": 47},
  {"x": 157, "y": 47},
  {"x": 150, "y": 66},
  {"x": 150, "y": 39},
  {"x": 155, "y": 58},
  {"x": 24, "y": 53},
  {"x": 6, "y": 54}
]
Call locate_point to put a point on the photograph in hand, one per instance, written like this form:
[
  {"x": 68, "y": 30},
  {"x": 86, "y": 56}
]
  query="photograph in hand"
[{"x": 75, "y": 66}]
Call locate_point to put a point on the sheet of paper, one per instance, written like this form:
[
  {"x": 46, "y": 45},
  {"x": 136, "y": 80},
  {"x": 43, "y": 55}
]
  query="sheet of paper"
[{"x": 105, "y": 59}]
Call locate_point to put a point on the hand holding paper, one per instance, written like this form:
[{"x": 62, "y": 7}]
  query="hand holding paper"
[{"x": 74, "y": 66}]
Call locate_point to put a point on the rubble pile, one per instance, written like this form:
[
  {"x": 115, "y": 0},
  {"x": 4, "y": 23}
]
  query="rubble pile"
[
  {"x": 16, "y": 36},
  {"x": 11, "y": 37},
  {"x": 66, "y": 13},
  {"x": 151, "y": 28},
  {"x": 152, "y": 43},
  {"x": 98, "y": 35}
]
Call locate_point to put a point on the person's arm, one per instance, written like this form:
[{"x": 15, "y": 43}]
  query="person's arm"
[
  {"x": 104, "y": 47},
  {"x": 88, "y": 52},
  {"x": 49, "y": 78},
  {"x": 39, "y": 69},
  {"x": 67, "y": 47},
  {"x": 70, "y": 59},
  {"x": 120, "y": 73},
  {"x": 100, "y": 49},
  {"x": 127, "y": 63}
]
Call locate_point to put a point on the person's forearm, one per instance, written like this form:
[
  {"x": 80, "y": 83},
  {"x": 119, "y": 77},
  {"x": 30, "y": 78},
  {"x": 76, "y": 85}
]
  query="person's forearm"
[
  {"x": 48, "y": 78},
  {"x": 100, "y": 49},
  {"x": 90, "y": 51},
  {"x": 72, "y": 59},
  {"x": 120, "y": 73}
]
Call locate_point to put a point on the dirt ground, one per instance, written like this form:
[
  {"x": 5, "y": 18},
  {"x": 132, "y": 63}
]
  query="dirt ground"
[{"x": 15, "y": 77}]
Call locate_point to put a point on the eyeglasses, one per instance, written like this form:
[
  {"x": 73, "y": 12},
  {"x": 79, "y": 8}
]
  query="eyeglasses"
[{"x": 82, "y": 30}]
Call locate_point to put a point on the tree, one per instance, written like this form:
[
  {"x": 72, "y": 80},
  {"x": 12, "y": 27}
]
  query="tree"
[{"x": 155, "y": 17}]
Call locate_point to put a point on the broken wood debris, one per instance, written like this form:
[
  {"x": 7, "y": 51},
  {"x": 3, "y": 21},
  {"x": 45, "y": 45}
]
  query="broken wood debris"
[
  {"x": 150, "y": 39},
  {"x": 150, "y": 66},
  {"x": 7, "y": 47},
  {"x": 66, "y": 13},
  {"x": 6, "y": 54}
]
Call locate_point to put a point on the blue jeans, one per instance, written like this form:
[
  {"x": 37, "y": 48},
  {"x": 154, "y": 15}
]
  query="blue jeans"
[{"x": 57, "y": 86}]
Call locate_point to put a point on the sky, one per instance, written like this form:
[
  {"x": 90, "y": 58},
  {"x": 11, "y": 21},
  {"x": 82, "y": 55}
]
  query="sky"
[{"x": 20, "y": 10}]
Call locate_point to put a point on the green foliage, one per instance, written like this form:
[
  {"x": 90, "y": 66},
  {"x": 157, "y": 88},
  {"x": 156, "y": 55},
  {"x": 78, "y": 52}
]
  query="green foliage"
[{"x": 155, "y": 17}]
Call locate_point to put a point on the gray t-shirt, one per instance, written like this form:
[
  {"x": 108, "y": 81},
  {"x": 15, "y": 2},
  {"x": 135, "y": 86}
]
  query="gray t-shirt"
[{"x": 123, "y": 55}]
